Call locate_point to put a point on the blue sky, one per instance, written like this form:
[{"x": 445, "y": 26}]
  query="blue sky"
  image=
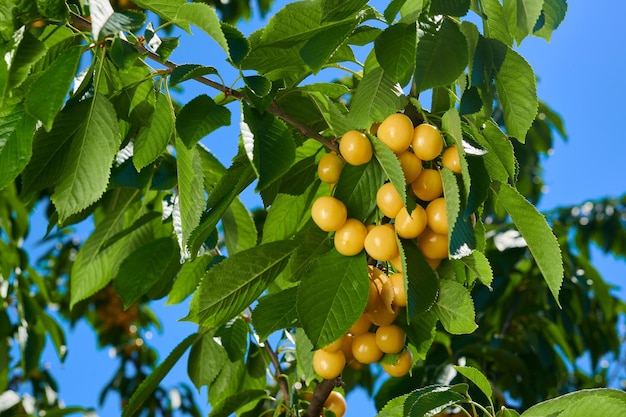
[{"x": 581, "y": 76}]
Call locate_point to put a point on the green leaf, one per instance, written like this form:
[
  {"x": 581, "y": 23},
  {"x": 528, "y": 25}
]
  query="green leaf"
[
  {"x": 274, "y": 312},
  {"x": 441, "y": 54},
  {"x": 517, "y": 93},
  {"x": 319, "y": 48},
  {"x": 236, "y": 282},
  {"x": 151, "y": 383},
  {"x": 552, "y": 15},
  {"x": 315, "y": 243},
  {"x": 47, "y": 94},
  {"x": 332, "y": 296},
  {"x": 597, "y": 402},
  {"x": 206, "y": 360},
  {"x": 200, "y": 117},
  {"x": 340, "y": 9},
  {"x": 357, "y": 187},
  {"x": 455, "y": 308},
  {"x": 16, "y": 142},
  {"x": 204, "y": 17},
  {"x": 287, "y": 215},
  {"x": 522, "y": 16},
  {"x": 167, "y": 9},
  {"x": 449, "y": 7},
  {"x": 477, "y": 378},
  {"x": 422, "y": 283},
  {"x": 29, "y": 51},
  {"x": 533, "y": 226},
  {"x": 237, "y": 178},
  {"x": 258, "y": 84},
  {"x": 125, "y": 21},
  {"x": 231, "y": 404},
  {"x": 145, "y": 267},
  {"x": 394, "y": 408},
  {"x": 188, "y": 278},
  {"x": 332, "y": 112},
  {"x": 376, "y": 97},
  {"x": 152, "y": 139},
  {"x": 478, "y": 263},
  {"x": 391, "y": 167},
  {"x": 239, "y": 229},
  {"x": 190, "y": 188},
  {"x": 496, "y": 25},
  {"x": 421, "y": 332},
  {"x": 88, "y": 162},
  {"x": 420, "y": 404},
  {"x": 233, "y": 336},
  {"x": 238, "y": 45},
  {"x": 186, "y": 72},
  {"x": 268, "y": 143}
]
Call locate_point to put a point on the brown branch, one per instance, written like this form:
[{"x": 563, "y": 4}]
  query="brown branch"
[
  {"x": 277, "y": 370},
  {"x": 82, "y": 23},
  {"x": 321, "y": 393}
]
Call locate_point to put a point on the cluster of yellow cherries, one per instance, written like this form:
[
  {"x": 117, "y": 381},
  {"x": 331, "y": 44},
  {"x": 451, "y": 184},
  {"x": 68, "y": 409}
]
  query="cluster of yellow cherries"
[{"x": 374, "y": 334}]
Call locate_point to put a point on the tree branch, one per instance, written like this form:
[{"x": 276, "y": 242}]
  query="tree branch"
[
  {"x": 82, "y": 23},
  {"x": 277, "y": 370},
  {"x": 321, "y": 393}
]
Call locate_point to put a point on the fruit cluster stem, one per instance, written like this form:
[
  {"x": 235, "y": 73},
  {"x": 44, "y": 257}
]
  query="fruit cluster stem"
[{"x": 321, "y": 393}]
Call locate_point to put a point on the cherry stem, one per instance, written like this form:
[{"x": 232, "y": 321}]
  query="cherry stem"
[{"x": 321, "y": 393}]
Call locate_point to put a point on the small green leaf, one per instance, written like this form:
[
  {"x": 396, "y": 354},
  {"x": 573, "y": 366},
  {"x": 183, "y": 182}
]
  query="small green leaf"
[
  {"x": 186, "y": 72},
  {"x": 441, "y": 54},
  {"x": 204, "y": 17},
  {"x": 125, "y": 21},
  {"x": 357, "y": 187},
  {"x": 376, "y": 97},
  {"x": 533, "y": 226},
  {"x": 188, "y": 278},
  {"x": 152, "y": 139},
  {"x": 88, "y": 162},
  {"x": 145, "y": 267},
  {"x": 422, "y": 283},
  {"x": 433, "y": 399},
  {"x": 584, "y": 403},
  {"x": 274, "y": 312},
  {"x": 522, "y": 16},
  {"x": 206, "y": 360},
  {"x": 449, "y": 7},
  {"x": 231, "y": 404},
  {"x": 287, "y": 215},
  {"x": 332, "y": 296},
  {"x": 233, "y": 336},
  {"x": 477, "y": 378},
  {"x": 478, "y": 263},
  {"x": 461, "y": 235},
  {"x": 421, "y": 332},
  {"x": 258, "y": 84},
  {"x": 190, "y": 191},
  {"x": 167, "y": 9},
  {"x": 268, "y": 143},
  {"x": 200, "y": 117},
  {"x": 496, "y": 25},
  {"x": 517, "y": 91},
  {"x": 238, "y": 45},
  {"x": 319, "y": 48},
  {"x": 455, "y": 308},
  {"x": 47, "y": 94},
  {"x": 239, "y": 229},
  {"x": 552, "y": 15},
  {"x": 236, "y": 282},
  {"x": 147, "y": 387},
  {"x": 391, "y": 167},
  {"x": 16, "y": 142}
]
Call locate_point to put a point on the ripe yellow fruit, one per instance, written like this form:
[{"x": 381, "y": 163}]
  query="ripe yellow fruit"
[
  {"x": 411, "y": 165},
  {"x": 399, "y": 292},
  {"x": 390, "y": 338},
  {"x": 427, "y": 142},
  {"x": 437, "y": 216},
  {"x": 329, "y": 213},
  {"x": 349, "y": 238},
  {"x": 410, "y": 227},
  {"x": 364, "y": 348},
  {"x": 380, "y": 243},
  {"x": 328, "y": 365},
  {"x": 388, "y": 200},
  {"x": 362, "y": 325},
  {"x": 428, "y": 185},
  {"x": 396, "y": 131},
  {"x": 355, "y": 148},
  {"x": 396, "y": 262},
  {"x": 329, "y": 168},
  {"x": 336, "y": 403},
  {"x": 451, "y": 160},
  {"x": 382, "y": 314},
  {"x": 334, "y": 346},
  {"x": 402, "y": 366},
  {"x": 433, "y": 245}
]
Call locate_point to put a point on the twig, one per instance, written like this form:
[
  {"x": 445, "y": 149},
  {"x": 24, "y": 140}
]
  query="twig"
[
  {"x": 82, "y": 23},
  {"x": 321, "y": 393},
  {"x": 277, "y": 370}
]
